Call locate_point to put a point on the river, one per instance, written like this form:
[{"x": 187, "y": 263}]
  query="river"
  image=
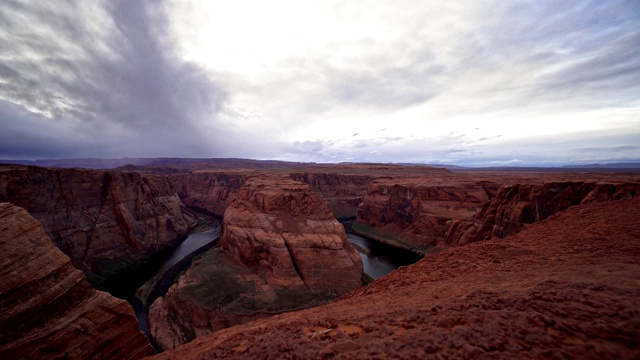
[{"x": 379, "y": 259}]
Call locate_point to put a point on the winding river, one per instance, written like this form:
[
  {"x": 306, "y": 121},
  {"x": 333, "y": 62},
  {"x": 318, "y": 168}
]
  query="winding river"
[{"x": 378, "y": 260}]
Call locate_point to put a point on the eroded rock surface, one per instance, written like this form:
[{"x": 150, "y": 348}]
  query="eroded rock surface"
[
  {"x": 278, "y": 227},
  {"x": 49, "y": 310},
  {"x": 281, "y": 250},
  {"x": 342, "y": 193},
  {"x": 211, "y": 191},
  {"x": 517, "y": 206},
  {"x": 566, "y": 287},
  {"x": 107, "y": 222},
  {"x": 417, "y": 212}
]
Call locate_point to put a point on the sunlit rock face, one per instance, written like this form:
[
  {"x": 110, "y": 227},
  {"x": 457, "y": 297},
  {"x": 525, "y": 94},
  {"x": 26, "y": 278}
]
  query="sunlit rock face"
[
  {"x": 49, "y": 310},
  {"x": 107, "y": 222},
  {"x": 280, "y": 250}
]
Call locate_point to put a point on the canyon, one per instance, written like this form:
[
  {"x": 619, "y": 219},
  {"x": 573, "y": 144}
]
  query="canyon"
[
  {"x": 282, "y": 250},
  {"x": 49, "y": 310},
  {"x": 108, "y": 223}
]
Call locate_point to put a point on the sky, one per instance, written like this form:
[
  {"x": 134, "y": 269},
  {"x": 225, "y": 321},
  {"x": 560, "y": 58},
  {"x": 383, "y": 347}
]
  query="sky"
[{"x": 471, "y": 83}]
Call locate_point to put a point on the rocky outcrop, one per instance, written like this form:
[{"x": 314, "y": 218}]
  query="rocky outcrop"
[
  {"x": 281, "y": 249},
  {"x": 566, "y": 287},
  {"x": 516, "y": 206},
  {"x": 49, "y": 310},
  {"x": 342, "y": 193},
  {"x": 209, "y": 191},
  {"x": 417, "y": 212},
  {"x": 278, "y": 227},
  {"x": 107, "y": 222}
]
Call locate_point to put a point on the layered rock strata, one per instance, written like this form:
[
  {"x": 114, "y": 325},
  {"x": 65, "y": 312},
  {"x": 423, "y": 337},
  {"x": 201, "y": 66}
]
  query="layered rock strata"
[
  {"x": 279, "y": 228},
  {"x": 107, "y": 222},
  {"x": 281, "y": 249},
  {"x": 566, "y": 287},
  {"x": 517, "y": 206},
  {"x": 210, "y": 191},
  {"x": 49, "y": 310},
  {"x": 416, "y": 213},
  {"x": 342, "y": 193}
]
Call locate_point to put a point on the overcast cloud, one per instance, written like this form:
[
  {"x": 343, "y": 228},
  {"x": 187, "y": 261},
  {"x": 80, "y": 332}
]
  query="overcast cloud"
[{"x": 461, "y": 82}]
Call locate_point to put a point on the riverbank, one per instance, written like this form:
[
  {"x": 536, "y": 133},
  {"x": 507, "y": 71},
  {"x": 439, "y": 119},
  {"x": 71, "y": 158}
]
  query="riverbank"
[{"x": 353, "y": 227}]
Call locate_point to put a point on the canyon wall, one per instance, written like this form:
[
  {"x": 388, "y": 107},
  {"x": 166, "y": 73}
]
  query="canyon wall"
[
  {"x": 49, "y": 310},
  {"x": 342, "y": 193},
  {"x": 213, "y": 191},
  {"x": 564, "y": 288},
  {"x": 416, "y": 213},
  {"x": 280, "y": 250},
  {"x": 209, "y": 191},
  {"x": 516, "y": 206},
  {"x": 107, "y": 222}
]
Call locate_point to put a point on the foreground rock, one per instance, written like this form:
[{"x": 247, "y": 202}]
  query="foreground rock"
[
  {"x": 566, "y": 287},
  {"x": 49, "y": 310},
  {"x": 283, "y": 251},
  {"x": 108, "y": 223}
]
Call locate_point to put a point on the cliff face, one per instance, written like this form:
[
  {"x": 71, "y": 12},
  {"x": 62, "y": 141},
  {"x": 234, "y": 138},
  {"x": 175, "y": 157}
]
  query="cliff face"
[
  {"x": 517, "y": 206},
  {"x": 49, "y": 310},
  {"x": 566, "y": 287},
  {"x": 211, "y": 191},
  {"x": 418, "y": 212},
  {"x": 281, "y": 229},
  {"x": 342, "y": 193},
  {"x": 282, "y": 250},
  {"x": 108, "y": 223}
]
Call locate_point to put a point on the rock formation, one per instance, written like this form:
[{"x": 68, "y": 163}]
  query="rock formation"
[
  {"x": 342, "y": 193},
  {"x": 107, "y": 222},
  {"x": 278, "y": 227},
  {"x": 516, "y": 206},
  {"x": 283, "y": 250},
  {"x": 210, "y": 191},
  {"x": 566, "y": 287},
  {"x": 49, "y": 310},
  {"x": 416, "y": 213}
]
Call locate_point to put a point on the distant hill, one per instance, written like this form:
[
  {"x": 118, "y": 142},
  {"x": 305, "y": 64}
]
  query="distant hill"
[{"x": 166, "y": 165}]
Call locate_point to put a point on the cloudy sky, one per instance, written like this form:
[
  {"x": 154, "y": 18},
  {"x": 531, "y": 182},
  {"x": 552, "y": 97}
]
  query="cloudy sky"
[{"x": 459, "y": 82}]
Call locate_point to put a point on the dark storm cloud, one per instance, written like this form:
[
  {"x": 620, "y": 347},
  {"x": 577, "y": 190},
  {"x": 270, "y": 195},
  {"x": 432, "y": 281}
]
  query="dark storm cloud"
[{"x": 107, "y": 74}]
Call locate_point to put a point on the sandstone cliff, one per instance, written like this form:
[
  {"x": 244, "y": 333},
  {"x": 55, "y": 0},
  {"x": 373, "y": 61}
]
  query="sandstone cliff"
[
  {"x": 283, "y": 250},
  {"x": 107, "y": 222},
  {"x": 342, "y": 193},
  {"x": 516, "y": 206},
  {"x": 278, "y": 227},
  {"x": 566, "y": 287},
  {"x": 416, "y": 212},
  {"x": 211, "y": 191},
  {"x": 49, "y": 310}
]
